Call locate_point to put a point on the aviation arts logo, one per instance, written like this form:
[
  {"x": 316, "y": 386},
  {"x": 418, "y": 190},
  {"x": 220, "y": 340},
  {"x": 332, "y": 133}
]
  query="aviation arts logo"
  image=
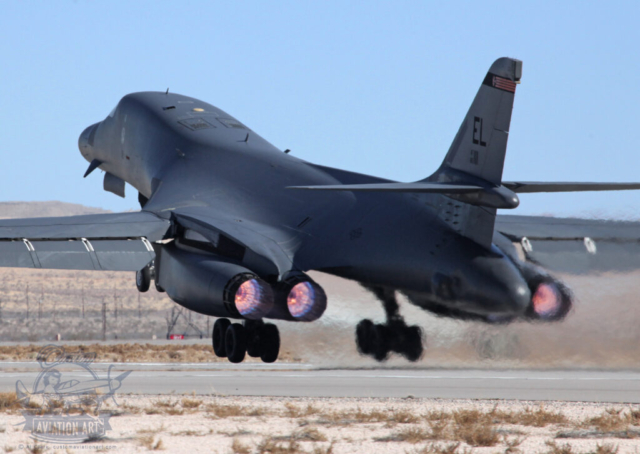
[{"x": 64, "y": 403}]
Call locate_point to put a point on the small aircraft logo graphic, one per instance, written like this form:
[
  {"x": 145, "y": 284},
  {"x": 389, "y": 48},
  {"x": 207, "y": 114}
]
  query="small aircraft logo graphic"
[{"x": 65, "y": 401}]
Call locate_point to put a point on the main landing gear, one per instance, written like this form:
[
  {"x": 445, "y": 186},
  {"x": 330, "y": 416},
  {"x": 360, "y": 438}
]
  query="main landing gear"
[
  {"x": 378, "y": 340},
  {"x": 144, "y": 278},
  {"x": 254, "y": 337}
]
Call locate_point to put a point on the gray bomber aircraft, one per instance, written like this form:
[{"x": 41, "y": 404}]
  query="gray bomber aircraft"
[{"x": 229, "y": 225}]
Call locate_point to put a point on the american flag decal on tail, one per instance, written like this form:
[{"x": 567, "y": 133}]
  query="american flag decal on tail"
[
  {"x": 504, "y": 84},
  {"x": 500, "y": 83}
]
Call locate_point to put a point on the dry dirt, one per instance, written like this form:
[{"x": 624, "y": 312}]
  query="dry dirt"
[{"x": 221, "y": 424}]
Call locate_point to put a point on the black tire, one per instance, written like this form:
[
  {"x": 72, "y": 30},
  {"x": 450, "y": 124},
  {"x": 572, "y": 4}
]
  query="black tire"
[
  {"x": 218, "y": 336},
  {"x": 235, "y": 341},
  {"x": 269, "y": 343},
  {"x": 143, "y": 279},
  {"x": 380, "y": 342},
  {"x": 364, "y": 332},
  {"x": 254, "y": 342},
  {"x": 412, "y": 348}
]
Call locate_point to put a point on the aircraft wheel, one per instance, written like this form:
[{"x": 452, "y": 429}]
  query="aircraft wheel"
[
  {"x": 412, "y": 348},
  {"x": 235, "y": 341},
  {"x": 254, "y": 338},
  {"x": 380, "y": 342},
  {"x": 143, "y": 279},
  {"x": 364, "y": 332},
  {"x": 218, "y": 337},
  {"x": 269, "y": 343}
]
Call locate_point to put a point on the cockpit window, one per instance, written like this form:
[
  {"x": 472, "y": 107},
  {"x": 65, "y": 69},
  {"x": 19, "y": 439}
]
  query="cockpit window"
[{"x": 113, "y": 112}]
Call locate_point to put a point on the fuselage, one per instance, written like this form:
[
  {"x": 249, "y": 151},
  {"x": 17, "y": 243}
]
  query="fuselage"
[{"x": 190, "y": 158}]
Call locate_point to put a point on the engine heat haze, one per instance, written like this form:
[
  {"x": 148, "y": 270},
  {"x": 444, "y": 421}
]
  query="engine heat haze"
[{"x": 230, "y": 226}]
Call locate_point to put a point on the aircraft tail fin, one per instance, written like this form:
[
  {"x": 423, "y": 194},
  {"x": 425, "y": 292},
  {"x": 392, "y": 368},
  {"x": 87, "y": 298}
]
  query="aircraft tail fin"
[
  {"x": 477, "y": 153},
  {"x": 479, "y": 148}
]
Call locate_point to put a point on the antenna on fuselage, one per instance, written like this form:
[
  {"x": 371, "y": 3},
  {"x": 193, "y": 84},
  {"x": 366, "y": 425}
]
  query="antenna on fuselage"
[{"x": 167, "y": 92}]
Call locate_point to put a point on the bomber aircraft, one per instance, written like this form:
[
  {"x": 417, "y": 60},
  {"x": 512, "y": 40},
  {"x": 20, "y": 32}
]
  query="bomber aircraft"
[{"x": 230, "y": 225}]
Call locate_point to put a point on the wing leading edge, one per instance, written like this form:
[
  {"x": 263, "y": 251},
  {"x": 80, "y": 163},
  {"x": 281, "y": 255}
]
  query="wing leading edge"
[{"x": 115, "y": 242}]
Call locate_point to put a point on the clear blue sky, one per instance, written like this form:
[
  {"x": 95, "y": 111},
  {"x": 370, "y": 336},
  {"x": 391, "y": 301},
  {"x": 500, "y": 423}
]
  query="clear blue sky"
[{"x": 375, "y": 87}]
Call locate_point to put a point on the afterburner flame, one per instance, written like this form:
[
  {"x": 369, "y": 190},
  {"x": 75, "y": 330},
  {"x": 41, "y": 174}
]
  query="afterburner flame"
[
  {"x": 306, "y": 301},
  {"x": 547, "y": 300},
  {"x": 253, "y": 300}
]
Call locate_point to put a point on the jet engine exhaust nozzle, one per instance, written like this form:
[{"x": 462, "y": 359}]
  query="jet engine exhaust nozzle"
[
  {"x": 252, "y": 297},
  {"x": 306, "y": 301},
  {"x": 550, "y": 301}
]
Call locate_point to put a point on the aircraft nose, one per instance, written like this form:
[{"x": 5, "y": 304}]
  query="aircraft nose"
[{"x": 85, "y": 141}]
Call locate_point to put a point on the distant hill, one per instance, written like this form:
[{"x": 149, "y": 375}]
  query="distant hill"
[{"x": 43, "y": 209}]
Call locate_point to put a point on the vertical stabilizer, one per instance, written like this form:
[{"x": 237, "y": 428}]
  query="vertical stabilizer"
[
  {"x": 477, "y": 153},
  {"x": 480, "y": 146}
]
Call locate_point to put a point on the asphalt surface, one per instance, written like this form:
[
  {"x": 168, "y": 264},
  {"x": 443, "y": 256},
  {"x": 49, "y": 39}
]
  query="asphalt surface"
[{"x": 304, "y": 380}]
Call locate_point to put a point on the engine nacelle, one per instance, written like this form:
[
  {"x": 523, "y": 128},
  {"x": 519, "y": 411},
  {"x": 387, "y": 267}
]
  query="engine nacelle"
[
  {"x": 211, "y": 286},
  {"x": 298, "y": 298}
]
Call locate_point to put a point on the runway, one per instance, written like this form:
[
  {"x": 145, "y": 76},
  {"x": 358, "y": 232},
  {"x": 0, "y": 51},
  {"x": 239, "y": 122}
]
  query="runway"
[{"x": 305, "y": 380}]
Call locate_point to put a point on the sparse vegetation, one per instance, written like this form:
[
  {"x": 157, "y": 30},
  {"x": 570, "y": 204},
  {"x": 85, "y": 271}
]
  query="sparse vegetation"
[
  {"x": 273, "y": 446},
  {"x": 238, "y": 448},
  {"x": 610, "y": 420},
  {"x": 9, "y": 402},
  {"x": 148, "y": 441},
  {"x": 225, "y": 411},
  {"x": 555, "y": 448}
]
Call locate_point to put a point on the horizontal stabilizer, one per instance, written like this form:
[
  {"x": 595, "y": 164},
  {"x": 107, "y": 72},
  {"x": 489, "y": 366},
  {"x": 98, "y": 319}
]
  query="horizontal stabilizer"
[
  {"x": 522, "y": 187},
  {"x": 438, "y": 188}
]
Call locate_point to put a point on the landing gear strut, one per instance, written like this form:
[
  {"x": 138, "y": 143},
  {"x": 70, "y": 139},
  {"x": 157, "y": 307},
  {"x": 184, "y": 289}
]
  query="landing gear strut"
[
  {"x": 254, "y": 337},
  {"x": 378, "y": 340}
]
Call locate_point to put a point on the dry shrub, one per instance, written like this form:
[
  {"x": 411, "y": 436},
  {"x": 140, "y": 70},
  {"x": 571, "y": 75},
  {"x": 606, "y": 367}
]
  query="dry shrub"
[
  {"x": 439, "y": 429},
  {"x": 606, "y": 448},
  {"x": 323, "y": 449},
  {"x": 273, "y": 446},
  {"x": 609, "y": 421},
  {"x": 148, "y": 441},
  {"x": 35, "y": 448},
  {"x": 512, "y": 445},
  {"x": 309, "y": 434},
  {"x": 225, "y": 411},
  {"x": 238, "y": 448},
  {"x": 9, "y": 402},
  {"x": 134, "y": 352},
  {"x": 440, "y": 415},
  {"x": 294, "y": 411},
  {"x": 403, "y": 417},
  {"x": 191, "y": 403},
  {"x": 555, "y": 448},
  {"x": 539, "y": 417},
  {"x": 476, "y": 433}
]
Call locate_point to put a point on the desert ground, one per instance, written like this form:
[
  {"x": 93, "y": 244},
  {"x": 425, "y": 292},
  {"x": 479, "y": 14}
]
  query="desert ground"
[{"x": 243, "y": 425}]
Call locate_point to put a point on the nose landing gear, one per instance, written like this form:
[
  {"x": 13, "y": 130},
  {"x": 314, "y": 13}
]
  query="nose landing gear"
[
  {"x": 378, "y": 340},
  {"x": 253, "y": 337}
]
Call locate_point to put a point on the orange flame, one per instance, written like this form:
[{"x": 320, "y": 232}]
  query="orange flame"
[{"x": 546, "y": 300}]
